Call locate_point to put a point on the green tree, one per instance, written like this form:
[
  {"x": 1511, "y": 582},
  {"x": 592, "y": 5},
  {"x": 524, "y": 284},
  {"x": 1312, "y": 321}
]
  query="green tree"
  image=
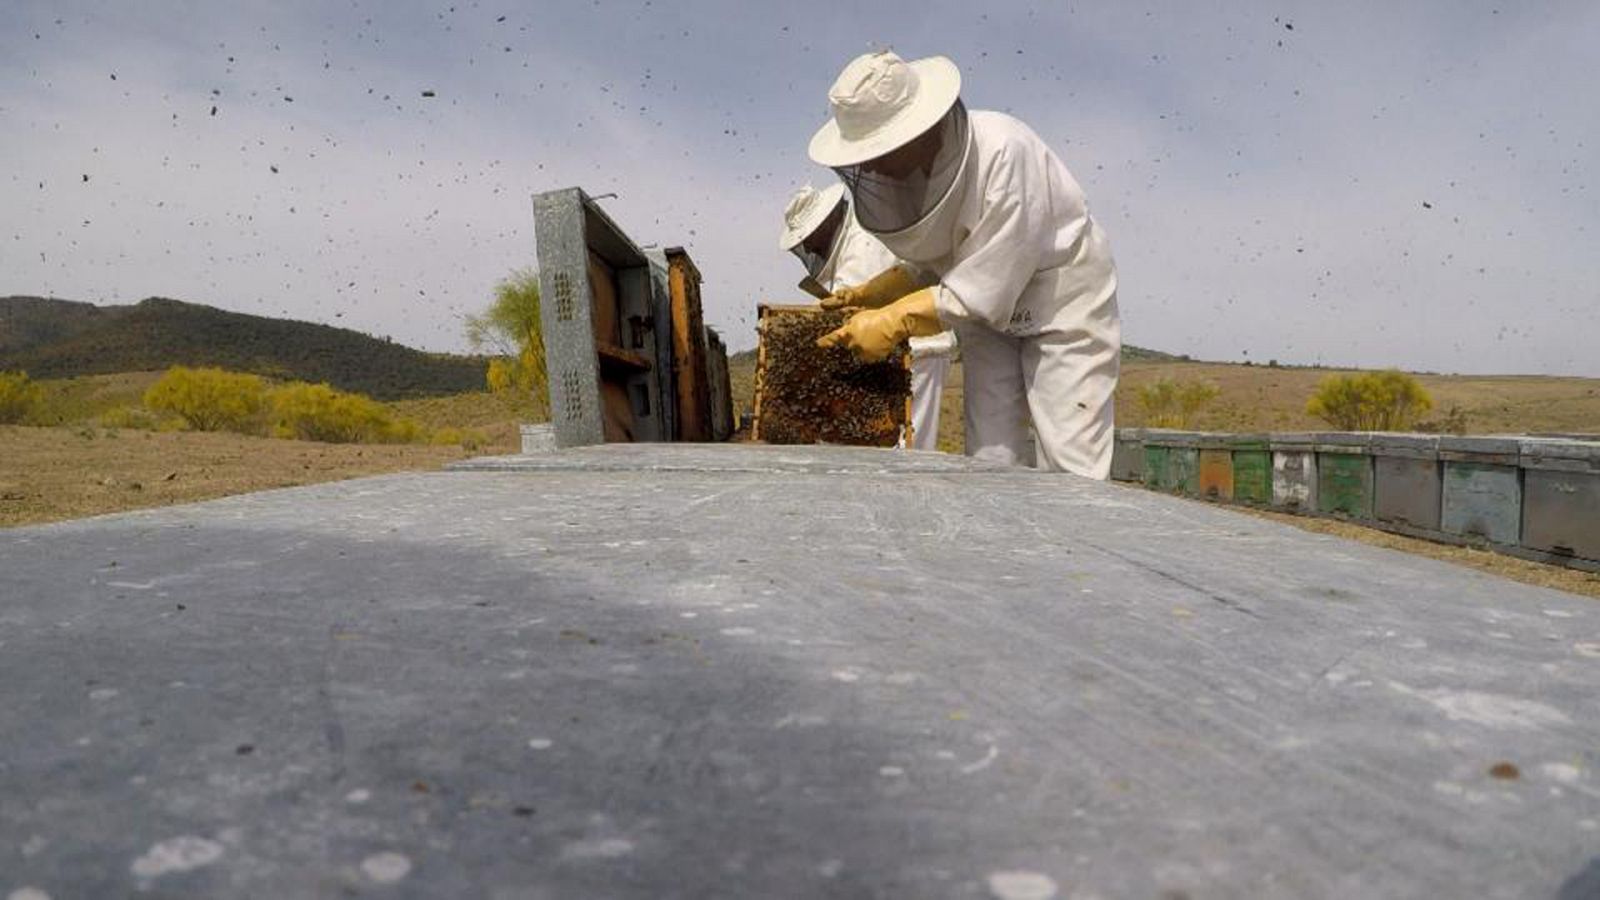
[
  {"x": 512, "y": 330},
  {"x": 1389, "y": 400},
  {"x": 1172, "y": 404},
  {"x": 210, "y": 399}
]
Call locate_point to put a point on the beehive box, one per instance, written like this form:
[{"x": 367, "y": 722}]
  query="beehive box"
[
  {"x": 1215, "y": 467},
  {"x": 1252, "y": 469},
  {"x": 1294, "y": 471},
  {"x": 1344, "y": 474},
  {"x": 1172, "y": 461},
  {"x": 807, "y": 395},
  {"x": 1482, "y": 489},
  {"x": 1127, "y": 455},
  {"x": 1561, "y": 499},
  {"x": 1407, "y": 481}
]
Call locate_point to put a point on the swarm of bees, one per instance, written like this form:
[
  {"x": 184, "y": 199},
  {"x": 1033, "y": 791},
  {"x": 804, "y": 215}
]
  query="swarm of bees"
[{"x": 808, "y": 395}]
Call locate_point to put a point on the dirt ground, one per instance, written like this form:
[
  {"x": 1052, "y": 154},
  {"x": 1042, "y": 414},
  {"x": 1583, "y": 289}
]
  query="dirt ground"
[
  {"x": 1555, "y": 577},
  {"x": 50, "y": 474}
]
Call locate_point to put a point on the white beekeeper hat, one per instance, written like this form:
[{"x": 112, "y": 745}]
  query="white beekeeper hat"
[
  {"x": 880, "y": 102},
  {"x": 807, "y": 210}
]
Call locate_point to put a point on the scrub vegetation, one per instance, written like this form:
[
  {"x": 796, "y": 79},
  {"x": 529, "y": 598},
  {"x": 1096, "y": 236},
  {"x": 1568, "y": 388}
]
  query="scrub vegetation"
[
  {"x": 217, "y": 400},
  {"x": 1371, "y": 401},
  {"x": 1169, "y": 403},
  {"x": 20, "y": 399}
]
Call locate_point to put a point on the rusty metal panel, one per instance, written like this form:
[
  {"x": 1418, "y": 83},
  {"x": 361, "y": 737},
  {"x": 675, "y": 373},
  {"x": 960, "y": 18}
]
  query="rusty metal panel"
[
  {"x": 1561, "y": 498},
  {"x": 806, "y": 394},
  {"x": 1216, "y": 473}
]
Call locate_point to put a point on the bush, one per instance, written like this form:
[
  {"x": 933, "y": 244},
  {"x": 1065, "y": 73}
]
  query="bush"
[
  {"x": 467, "y": 439},
  {"x": 317, "y": 412},
  {"x": 1372, "y": 401},
  {"x": 20, "y": 399},
  {"x": 1171, "y": 404},
  {"x": 210, "y": 399},
  {"x": 134, "y": 417}
]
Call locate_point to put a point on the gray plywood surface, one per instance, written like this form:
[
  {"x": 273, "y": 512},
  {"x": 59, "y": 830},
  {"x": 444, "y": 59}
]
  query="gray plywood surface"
[{"x": 719, "y": 673}]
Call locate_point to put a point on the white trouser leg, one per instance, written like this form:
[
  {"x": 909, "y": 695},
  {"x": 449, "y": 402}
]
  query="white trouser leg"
[
  {"x": 927, "y": 388},
  {"x": 996, "y": 407},
  {"x": 1071, "y": 381}
]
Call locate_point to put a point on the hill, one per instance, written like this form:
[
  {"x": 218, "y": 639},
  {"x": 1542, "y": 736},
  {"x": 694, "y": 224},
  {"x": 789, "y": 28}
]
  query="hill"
[{"x": 49, "y": 338}]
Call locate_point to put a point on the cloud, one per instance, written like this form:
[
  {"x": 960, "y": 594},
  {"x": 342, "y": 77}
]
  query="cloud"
[{"x": 1261, "y": 198}]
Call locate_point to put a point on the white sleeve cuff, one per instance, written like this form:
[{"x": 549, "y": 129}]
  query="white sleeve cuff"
[{"x": 949, "y": 307}]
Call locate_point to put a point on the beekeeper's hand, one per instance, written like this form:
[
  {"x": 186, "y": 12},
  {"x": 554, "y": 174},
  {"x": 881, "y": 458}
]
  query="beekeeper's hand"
[
  {"x": 880, "y": 290},
  {"x": 873, "y": 334}
]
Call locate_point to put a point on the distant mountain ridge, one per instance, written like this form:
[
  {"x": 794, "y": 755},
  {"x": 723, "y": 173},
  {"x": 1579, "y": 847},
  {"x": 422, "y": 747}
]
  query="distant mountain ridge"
[{"x": 51, "y": 338}]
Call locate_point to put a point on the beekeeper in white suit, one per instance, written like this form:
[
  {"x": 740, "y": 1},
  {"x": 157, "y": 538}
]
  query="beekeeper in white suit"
[
  {"x": 996, "y": 240},
  {"x": 819, "y": 229}
]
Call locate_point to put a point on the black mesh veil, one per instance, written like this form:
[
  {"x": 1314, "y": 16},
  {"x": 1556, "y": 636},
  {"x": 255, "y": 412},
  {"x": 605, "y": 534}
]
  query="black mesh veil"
[
  {"x": 886, "y": 204},
  {"x": 816, "y": 262}
]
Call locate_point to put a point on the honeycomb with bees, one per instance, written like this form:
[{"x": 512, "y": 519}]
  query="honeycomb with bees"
[{"x": 807, "y": 395}]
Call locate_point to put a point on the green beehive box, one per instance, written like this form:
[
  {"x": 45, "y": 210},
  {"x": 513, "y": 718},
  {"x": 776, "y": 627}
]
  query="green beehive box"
[
  {"x": 1252, "y": 469},
  {"x": 1172, "y": 461},
  {"x": 1155, "y": 465},
  {"x": 1344, "y": 474}
]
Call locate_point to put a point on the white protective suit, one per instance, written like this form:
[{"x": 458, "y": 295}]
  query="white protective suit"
[
  {"x": 856, "y": 257},
  {"x": 1027, "y": 281}
]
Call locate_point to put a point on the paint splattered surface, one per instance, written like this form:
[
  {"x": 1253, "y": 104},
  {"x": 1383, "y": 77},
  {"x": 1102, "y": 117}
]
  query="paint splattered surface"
[{"x": 740, "y": 673}]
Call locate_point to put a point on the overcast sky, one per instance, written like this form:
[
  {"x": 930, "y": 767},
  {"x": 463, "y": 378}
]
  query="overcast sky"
[{"x": 1370, "y": 183}]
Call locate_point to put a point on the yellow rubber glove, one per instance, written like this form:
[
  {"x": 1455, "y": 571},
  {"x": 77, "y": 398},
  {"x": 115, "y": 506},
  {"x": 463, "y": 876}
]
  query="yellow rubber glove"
[
  {"x": 878, "y": 291},
  {"x": 874, "y": 333}
]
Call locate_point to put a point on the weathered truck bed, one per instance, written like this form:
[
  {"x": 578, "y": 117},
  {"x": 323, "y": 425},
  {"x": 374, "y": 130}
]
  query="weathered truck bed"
[{"x": 778, "y": 671}]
